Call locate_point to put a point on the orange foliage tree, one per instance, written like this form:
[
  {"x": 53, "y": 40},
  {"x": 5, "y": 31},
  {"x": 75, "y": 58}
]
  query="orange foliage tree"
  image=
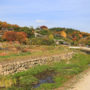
[
  {"x": 80, "y": 35},
  {"x": 21, "y": 37},
  {"x": 4, "y": 25},
  {"x": 9, "y": 36},
  {"x": 15, "y": 36},
  {"x": 63, "y": 34},
  {"x": 74, "y": 38},
  {"x": 44, "y": 27}
]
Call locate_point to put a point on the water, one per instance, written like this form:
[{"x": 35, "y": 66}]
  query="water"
[
  {"x": 87, "y": 52},
  {"x": 44, "y": 77},
  {"x": 48, "y": 79}
]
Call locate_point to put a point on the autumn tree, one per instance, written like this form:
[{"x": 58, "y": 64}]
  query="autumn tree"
[
  {"x": 51, "y": 37},
  {"x": 63, "y": 34},
  {"x": 80, "y": 35},
  {"x": 44, "y": 27},
  {"x": 8, "y": 26},
  {"x": 15, "y": 27},
  {"x": 4, "y": 25},
  {"x": 74, "y": 38},
  {"x": 0, "y": 25},
  {"x": 28, "y": 31},
  {"x": 15, "y": 36},
  {"x": 9, "y": 36},
  {"x": 21, "y": 37}
]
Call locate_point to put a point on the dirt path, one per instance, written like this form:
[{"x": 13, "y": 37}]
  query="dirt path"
[
  {"x": 82, "y": 48},
  {"x": 83, "y": 83},
  {"x": 79, "y": 82}
]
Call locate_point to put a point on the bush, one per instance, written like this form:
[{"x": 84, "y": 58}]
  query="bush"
[
  {"x": 1, "y": 40},
  {"x": 15, "y": 36},
  {"x": 21, "y": 37},
  {"x": 44, "y": 32},
  {"x": 41, "y": 41},
  {"x": 28, "y": 31}
]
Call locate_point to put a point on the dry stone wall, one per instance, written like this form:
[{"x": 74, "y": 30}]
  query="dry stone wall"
[{"x": 17, "y": 66}]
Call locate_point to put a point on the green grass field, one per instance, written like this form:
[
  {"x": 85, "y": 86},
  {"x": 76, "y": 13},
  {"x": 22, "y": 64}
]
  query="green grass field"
[{"x": 63, "y": 72}]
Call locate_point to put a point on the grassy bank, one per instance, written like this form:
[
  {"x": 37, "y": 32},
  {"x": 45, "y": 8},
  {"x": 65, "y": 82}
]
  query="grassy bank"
[
  {"x": 62, "y": 73},
  {"x": 33, "y": 51}
]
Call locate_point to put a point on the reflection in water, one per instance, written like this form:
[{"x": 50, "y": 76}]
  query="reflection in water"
[{"x": 48, "y": 79}]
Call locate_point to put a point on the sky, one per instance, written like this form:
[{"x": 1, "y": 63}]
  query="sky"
[{"x": 52, "y": 13}]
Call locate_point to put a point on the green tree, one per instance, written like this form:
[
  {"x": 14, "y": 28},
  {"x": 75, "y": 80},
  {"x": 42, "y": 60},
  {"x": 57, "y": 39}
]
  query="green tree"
[
  {"x": 28, "y": 31},
  {"x": 51, "y": 37}
]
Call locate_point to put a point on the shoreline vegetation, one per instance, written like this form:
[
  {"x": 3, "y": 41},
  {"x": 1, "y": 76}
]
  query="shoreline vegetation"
[{"x": 62, "y": 72}]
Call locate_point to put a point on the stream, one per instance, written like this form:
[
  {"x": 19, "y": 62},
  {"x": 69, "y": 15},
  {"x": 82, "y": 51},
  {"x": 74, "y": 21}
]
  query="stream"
[
  {"x": 48, "y": 79},
  {"x": 44, "y": 77},
  {"x": 87, "y": 52}
]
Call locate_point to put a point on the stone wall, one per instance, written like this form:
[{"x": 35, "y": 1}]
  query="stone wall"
[{"x": 17, "y": 66}]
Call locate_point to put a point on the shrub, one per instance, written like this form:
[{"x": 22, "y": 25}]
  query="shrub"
[
  {"x": 41, "y": 41},
  {"x": 21, "y": 37},
  {"x": 44, "y": 32},
  {"x": 7, "y": 81},
  {"x": 9, "y": 36},
  {"x": 15, "y": 36},
  {"x": 51, "y": 37},
  {"x": 28, "y": 31}
]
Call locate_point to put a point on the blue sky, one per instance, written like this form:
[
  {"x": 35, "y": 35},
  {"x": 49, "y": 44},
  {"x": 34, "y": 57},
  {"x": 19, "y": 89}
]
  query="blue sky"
[{"x": 52, "y": 13}]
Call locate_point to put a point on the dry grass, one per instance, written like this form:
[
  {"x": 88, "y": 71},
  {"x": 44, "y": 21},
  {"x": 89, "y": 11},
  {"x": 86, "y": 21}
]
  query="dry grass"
[{"x": 17, "y": 51}]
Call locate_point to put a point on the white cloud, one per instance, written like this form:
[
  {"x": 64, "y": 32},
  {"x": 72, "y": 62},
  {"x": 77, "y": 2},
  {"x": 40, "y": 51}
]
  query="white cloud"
[{"x": 40, "y": 21}]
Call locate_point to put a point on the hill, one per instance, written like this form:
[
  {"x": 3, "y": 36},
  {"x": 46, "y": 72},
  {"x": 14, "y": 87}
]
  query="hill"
[{"x": 49, "y": 36}]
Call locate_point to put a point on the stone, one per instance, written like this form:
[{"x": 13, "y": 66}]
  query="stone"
[{"x": 18, "y": 66}]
